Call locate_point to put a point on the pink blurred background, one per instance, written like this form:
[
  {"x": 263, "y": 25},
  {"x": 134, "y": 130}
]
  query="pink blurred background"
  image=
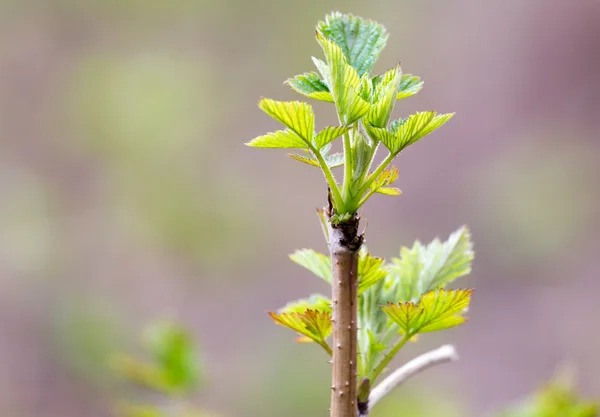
[{"x": 127, "y": 195}]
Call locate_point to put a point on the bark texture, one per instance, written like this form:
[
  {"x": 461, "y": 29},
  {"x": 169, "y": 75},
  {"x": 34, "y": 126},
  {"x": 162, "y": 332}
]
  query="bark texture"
[{"x": 345, "y": 243}]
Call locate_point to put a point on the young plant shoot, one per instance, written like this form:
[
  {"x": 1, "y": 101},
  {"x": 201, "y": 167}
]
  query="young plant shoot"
[{"x": 376, "y": 308}]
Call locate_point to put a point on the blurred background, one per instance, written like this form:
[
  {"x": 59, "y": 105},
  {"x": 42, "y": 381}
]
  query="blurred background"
[{"x": 127, "y": 195}]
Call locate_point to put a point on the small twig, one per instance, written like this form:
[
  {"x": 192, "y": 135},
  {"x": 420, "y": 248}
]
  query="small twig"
[{"x": 446, "y": 353}]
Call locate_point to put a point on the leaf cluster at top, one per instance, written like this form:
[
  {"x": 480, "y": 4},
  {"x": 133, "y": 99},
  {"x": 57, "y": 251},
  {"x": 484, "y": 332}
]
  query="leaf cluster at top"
[{"x": 364, "y": 106}]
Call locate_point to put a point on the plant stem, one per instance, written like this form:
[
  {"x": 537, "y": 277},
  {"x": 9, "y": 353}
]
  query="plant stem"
[
  {"x": 365, "y": 198},
  {"x": 327, "y": 348},
  {"x": 345, "y": 243},
  {"x": 366, "y": 171},
  {"x": 335, "y": 191},
  {"x": 389, "y": 356},
  {"x": 383, "y": 165},
  {"x": 347, "y": 165}
]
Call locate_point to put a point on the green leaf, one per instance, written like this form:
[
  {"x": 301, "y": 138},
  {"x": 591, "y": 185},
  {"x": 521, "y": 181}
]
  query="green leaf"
[
  {"x": 370, "y": 270},
  {"x": 387, "y": 177},
  {"x": 175, "y": 352},
  {"x": 409, "y": 86},
  {"x": 357, "y": 109},
  {"x": 330, "y": 133},
  {"x": 279, "y": 139},
  {"x": 310, "y": 85},
  {"x": 437, "y": 122},
  {"x": 307, "y": 159},
  {"x": 313, "y": 325},
  {"x": 314, "y": 302},
  {"x": 419, "y": 125},
  {"x": 437, "y": 310},
  {"x": 380, "y": 134},
  {"x": 315, "y": 262},
  {"x": 389, "y": 191},
  {"x": 360, "y": 40},
  {"x": 424, "y": 268},
  {"x": 375, "y": 328},
  {"x": 296, "y": 115},
  {"x": 443, "y": 309},
  {"x": 370, "y": 351},
  {"x": 384, "y": 98},
  {"x": 366, "y": 88},
  {"x": 395, "y": 125},
  {"x": 409, "y": 131},
  {"x": 174, "y": 368},
  {"x": 370, "y": 315},
  {"x": 362, "y": 151},
  {"x": 450, "y": 260},
  {"x": 333, "y": 161},
  {"x": 404, "y": 315},
  {"x": 323, "y": 69},
  {"x": 406, "y": 279},
  {"x": 344, "y": 83},
  {"x": 419, "y": 269}
]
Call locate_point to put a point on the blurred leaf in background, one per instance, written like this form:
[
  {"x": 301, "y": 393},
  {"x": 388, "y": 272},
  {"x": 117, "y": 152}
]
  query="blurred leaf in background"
[
  {"x": 172, "y": 371},
  {"x": 173, "y": 366},
  {"x": 174, "y": 351},
  {"x": 556, "y": 399}
]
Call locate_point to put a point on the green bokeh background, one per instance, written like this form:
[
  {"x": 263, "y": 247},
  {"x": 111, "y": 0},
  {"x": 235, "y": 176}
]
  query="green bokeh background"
[{"x": 127, "y": 195}]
